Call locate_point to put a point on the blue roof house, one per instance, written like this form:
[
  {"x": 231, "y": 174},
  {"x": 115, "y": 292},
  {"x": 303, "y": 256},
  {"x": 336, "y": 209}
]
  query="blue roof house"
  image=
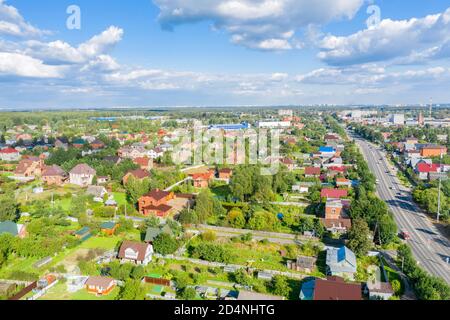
[
  {"x": 341, "y": 262},
  {"x": 307, "y": 291}
]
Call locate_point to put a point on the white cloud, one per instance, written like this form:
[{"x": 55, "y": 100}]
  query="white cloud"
[
  {"x": 62, "y": 52},
  {"x": 257, "y": 24},
  {"x": 13, "y": 24},
  {"x": 15, "y": 64},
  {"x": 405, "y": 40}
]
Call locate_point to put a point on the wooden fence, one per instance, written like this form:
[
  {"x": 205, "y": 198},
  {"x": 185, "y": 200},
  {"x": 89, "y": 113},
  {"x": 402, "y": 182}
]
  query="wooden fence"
[{"x": 24, "y": 291}]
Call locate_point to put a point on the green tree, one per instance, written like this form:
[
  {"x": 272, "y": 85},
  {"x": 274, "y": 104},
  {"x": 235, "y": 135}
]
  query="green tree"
[
  {"x": 165, "y": 244},
  {"x": 236, "y": 218},
  {"x": 132, "y": 290},
  {"x": 280, "y": 286},
  {"x": 9, "y": 208},
  {"x": 358, "y": 237},
  {"x": 187, "y": 293}
]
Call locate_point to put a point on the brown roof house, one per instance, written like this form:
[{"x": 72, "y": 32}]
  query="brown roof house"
[
  {"x": 101, "y": 286},
  {"x": 29, "y": 168},
  {"x": 155, "y": 202},
  {"x": 334, "y": 288},
  {"x": 53, "y": 175},
  {"x": 137, "y": 174},
  {"x": 136, "y": 252},
  {"x": 145, "y": 163},
  {"x": 82, "y": 175}
]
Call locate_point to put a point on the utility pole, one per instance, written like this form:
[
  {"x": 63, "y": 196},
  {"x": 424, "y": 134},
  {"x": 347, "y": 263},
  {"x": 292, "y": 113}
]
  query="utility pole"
[{"x": 431, "y": 108}]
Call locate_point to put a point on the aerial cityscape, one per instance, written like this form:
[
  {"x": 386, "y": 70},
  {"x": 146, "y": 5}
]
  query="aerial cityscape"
[{"x": 224, "y": 150}]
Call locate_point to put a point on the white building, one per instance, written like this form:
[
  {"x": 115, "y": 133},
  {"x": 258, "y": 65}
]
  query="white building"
[
  {"x": 274, "y": 124},
  {"x": 398, "y": 119}
]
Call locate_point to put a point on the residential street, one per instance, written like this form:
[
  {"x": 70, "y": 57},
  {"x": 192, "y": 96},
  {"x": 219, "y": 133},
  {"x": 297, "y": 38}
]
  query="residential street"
[{"x": 429, "y": 247}]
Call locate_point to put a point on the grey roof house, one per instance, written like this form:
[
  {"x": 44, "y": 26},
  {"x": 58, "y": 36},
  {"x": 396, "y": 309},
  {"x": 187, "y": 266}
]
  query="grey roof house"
[{"x": 341, "y": 262}]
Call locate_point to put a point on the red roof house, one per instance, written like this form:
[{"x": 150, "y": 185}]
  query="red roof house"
[{"x": 333, "y": 193}]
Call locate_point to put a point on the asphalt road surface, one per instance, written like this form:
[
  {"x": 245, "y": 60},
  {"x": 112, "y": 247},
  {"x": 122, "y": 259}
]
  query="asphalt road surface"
[{"x": 430, "y": 248}]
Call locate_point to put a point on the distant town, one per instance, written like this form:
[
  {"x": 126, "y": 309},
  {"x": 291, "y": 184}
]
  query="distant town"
[{"x": 99, "y": 205}]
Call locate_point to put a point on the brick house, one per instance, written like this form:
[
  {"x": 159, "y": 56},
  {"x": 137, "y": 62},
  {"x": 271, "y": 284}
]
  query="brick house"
[
  {"x": 155, "y": 203},
  {"x": 333, "y": 193},
  {"x": 225, "y": 174},
  {"x": 433, "y": 151},
  {"x": 336, "y": 220},
  {"x": 312, "y": 172},
  {"x": 29, "y": 167},
  {"x": 201, "y": 180},
  {"x": 53, "y": 175}
]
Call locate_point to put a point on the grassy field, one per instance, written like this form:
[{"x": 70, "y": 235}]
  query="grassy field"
[{"x": 59, "y": 292}]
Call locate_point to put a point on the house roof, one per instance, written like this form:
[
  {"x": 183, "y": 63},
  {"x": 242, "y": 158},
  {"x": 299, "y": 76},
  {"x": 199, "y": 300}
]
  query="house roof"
[
  {"x": 326, "y": 149},
  {"x": 52, "y": 171},
  {"x": 109, "y": 225},
  {"x": 312, "y": 170},
  {"x": 333, "y": 223},
  {"x": 9, "y": 227},
  {"x": 9, "y": 151},
  {"x": 426, "y": 168},
  {"x": 139, "y": 173},
  {"x": 161, "y": 208},
  {"x": 83, "y": 168},
  {"x": 333, "y": 193},
  {"x": 341, "y": 260},
  {"x": 142, "y": 161},
  {"x": 102, "y": 282},
  {"x": 95, "y": 191},
  {"x": 335, "y": 288},
  {"x": 139, "y": 247},
  {"x": 157, "y": 194}
]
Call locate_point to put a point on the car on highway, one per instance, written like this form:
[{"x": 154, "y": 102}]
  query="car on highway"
[{"x": 405, "y": 235}]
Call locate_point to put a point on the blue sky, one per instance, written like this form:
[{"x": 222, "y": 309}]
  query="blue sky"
[{"x": 223, "y": 52}]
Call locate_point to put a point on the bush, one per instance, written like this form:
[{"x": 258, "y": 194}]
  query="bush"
[
  {"x": 396, "y": 286},
  {"x": 209, "y": 236},
  {"x": 211, "y": 252}
]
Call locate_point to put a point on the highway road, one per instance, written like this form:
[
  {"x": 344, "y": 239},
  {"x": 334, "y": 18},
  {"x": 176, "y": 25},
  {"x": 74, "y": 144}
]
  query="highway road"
[{"x": 430, "y": 248}]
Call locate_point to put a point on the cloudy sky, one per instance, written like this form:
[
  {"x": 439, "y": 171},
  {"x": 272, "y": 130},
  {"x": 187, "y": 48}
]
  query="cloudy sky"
[{"x": 223, "y": 53}]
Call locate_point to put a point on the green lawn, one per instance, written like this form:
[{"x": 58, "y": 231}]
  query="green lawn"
[
  {"x": 59, "y": 292},
  {"x": 120, "y": 198}
]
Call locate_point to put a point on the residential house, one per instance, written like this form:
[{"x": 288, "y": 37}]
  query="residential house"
[
  {"x": 109, "y": 228},
  {"x": 289, "y": 163},
  {"x": 103, "y": 179},
  {"x": 201, "y": 180},
  {"x": 132, "y": 153},
  {"x": 341, "y": 262},
  {"x": 53, "y": 175},
  {"x": 83, "y": 234},
  {"x": 433, "y": 151},
  {"x": 79, "y": 143},
  {"x": 62, "y": 144},
  {"x": 136, "y": 252},
  {"x": 302, "y": 187},
  {"x": 379, "y": 290},
  {"x": 156, "y": 153},
  {"x": 82, "y": 175},
  {"x": 312, "y": 172},
  {"x": 253, "y": 296},
  {"x": 336, "y": 220},
  {"x": 138, "y": 174},
  {"x": 112, "y": 159},
  {"x": 9, "y": 154},
  {"x": 98, "y": 192},
  {"x": 342, "y": 182},
  {"x": 330, "y": 193},
  {"x": 97, "y": 144},
  {"x": 144, "y": 163},
  {"x": 155, "y": 202},
  {"x": 225, "y": 174},
  {"x": 14, "y": 229},
  {"x": 101, "y": 286},
  {"x": 327, "y": 152},
  {"x": 423, "y": 169},
  {"x": 29, "y": 168},
  {"x": 331, "y": 289}
]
